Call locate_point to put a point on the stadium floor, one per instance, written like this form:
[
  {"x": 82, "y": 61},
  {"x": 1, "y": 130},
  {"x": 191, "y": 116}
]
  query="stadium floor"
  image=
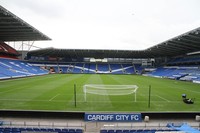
[{"x": 55, "y": 92}]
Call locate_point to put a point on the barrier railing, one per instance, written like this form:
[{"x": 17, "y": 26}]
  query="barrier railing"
[{"x": 43, "y": 124}]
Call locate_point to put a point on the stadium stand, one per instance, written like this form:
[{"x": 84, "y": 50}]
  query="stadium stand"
[
  {"x": 85, "y": 68},
  {"x": 7, "y": 50},
  {"x": 91, "y": 68},
  {"x": 38, "y": 129},
  {"x": 139, "y": 131},
  {"x": 78, "y": 67},
  {"x": 138, "y": 68},
  {"x": 184, "y": 60},
  {"x": 11, "y": 68},
  {"x": 177, "y": 127},
  {"x": 128, "y": 68},
  {"x": 116, "y": 68},
  {"x": 183, "y": 127},
  {"x": 63, "y": 68},
  {"x": 178, "y": 73},
  {"x": 103, "y": 68}
]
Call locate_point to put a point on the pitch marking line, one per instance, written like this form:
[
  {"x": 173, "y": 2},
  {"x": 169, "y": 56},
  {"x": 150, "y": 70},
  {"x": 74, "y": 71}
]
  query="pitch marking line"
[
  {"x": 54, "y": 97},
  {"x": 11, "y": 90},
  {"x": 162, "y": 98},
  {"x": 189, "y": 90}
]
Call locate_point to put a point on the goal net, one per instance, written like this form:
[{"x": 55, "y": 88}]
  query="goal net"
[{"x": 109, "y": 90}]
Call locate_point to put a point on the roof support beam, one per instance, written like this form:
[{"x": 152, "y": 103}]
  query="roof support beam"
[
  {"x": 190, "y": 40},
  {"x": 193, "y": 36}
]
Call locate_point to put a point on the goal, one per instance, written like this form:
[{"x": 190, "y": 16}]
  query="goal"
[{"x": 100, "y": 89}]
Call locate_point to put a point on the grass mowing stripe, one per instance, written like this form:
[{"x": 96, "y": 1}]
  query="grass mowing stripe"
[{"x": 34, "y": 93}]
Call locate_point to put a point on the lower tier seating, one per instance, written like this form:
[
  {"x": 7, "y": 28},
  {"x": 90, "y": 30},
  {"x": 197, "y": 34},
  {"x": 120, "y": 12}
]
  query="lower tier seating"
[
  {"x": 106, "y": 68},
  {"x": 177, "y": 73},
  {"x": 12, "y": 68},
  {"x": 35, "y": 129},
  {"x": 138, "y": 131}
]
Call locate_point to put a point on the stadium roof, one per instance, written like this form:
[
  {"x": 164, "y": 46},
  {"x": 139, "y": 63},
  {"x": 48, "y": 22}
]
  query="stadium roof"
[
  {"x": 181, "y": 45},
  {"x": 92, "y": 53},
  {"x": 188, "y": 42},
  {"x": 12, "y": 28}
]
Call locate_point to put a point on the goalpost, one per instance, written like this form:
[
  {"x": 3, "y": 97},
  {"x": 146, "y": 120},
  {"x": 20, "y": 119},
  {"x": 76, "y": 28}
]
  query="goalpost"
[{"x": 100, "y": 89}]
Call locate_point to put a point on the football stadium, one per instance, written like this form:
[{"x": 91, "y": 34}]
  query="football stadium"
[{"x": 155, "y": 90}]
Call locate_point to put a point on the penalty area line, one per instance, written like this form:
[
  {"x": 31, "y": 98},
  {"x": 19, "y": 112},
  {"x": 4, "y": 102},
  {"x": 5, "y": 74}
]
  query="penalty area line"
[
  {"x": 54, "y": 97},
  {"x": 162, "y": 98}
]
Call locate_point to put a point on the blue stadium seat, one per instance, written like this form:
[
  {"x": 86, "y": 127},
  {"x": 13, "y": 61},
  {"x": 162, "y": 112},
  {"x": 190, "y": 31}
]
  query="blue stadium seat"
[
  {"x": 111, "y": 131},
  {"x": 37, "y": 129},
  {"x": 57, "y": 130},
  {"x": 103, "y": 131},
  {"x": 65, "y": 130},
  {"x": 72, "y": 131},
  {"x": 116, "y": 68},
  {"x": 133, "y": 131},
  {"x": 29, "y": 129},
  {"x": 126, "y": 131},
  {"x": 119, "y": 131},
  {"x": 79, "y": 131},
  {"x": 103, "y": 68}
]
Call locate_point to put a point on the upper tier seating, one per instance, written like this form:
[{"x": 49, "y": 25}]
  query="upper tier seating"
[
  {"x": 6, "y": 49},
  {"x": 10, "y": 68},
  {"x": 181, "y": 60}
]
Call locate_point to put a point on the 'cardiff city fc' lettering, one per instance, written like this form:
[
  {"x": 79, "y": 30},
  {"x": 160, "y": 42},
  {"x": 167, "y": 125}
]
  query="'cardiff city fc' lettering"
[
  {"x": 100, "y": 117},
  {"x": 113, "y": 117}
]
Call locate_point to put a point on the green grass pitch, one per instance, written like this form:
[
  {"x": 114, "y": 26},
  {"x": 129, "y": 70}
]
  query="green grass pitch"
[{"x": 55, "y": 92}]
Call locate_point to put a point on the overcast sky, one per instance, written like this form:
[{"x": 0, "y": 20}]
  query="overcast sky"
[{"x": 107, "y": 24}]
